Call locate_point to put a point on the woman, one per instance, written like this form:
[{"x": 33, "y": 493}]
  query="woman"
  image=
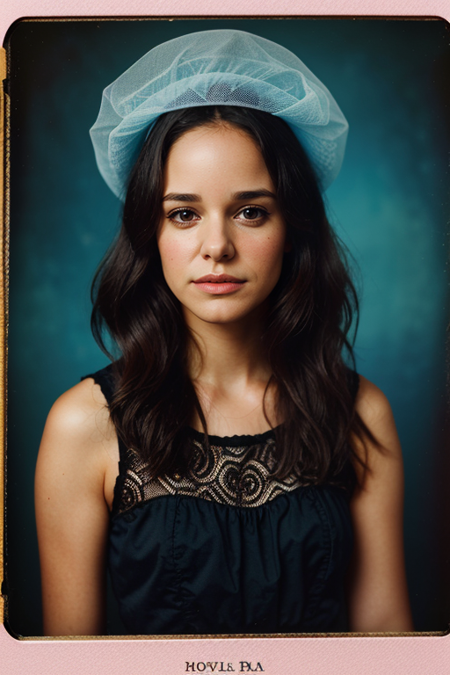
[{"x": 260, "y": 480}]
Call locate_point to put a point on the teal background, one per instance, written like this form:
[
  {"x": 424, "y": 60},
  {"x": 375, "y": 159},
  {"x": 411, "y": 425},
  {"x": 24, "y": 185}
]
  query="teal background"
[{"x": 390, "y": 205}]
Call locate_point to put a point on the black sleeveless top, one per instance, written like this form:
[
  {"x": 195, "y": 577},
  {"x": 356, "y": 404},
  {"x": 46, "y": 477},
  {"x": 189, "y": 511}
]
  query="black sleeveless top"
[{"x": 227, "y": 548}]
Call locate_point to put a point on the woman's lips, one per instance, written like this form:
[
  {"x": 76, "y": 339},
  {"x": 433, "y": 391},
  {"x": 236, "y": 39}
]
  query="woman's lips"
[{"x": 218, "y": 284}]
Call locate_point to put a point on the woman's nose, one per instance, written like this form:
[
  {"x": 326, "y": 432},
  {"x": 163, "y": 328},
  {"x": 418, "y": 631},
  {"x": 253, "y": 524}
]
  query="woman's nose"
[{"x": 217, "y": 243}]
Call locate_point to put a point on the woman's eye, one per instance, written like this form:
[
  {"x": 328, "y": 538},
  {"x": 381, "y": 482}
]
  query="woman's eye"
[
  {"x": 182, "y": 216},
  {"x": 252, "y": 213}
]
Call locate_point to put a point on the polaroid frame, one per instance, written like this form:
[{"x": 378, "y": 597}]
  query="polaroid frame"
[{"x": 375, "y": 654}]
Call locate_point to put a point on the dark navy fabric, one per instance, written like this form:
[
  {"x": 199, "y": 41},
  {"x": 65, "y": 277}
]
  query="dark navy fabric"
[{"x": 186, "y": 565}]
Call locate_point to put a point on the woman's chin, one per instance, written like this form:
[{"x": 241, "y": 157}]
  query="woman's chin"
[{"x": 223, "y": 316}]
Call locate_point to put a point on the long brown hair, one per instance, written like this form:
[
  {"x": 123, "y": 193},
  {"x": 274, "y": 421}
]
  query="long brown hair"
[{"x": 313, "y": 310}]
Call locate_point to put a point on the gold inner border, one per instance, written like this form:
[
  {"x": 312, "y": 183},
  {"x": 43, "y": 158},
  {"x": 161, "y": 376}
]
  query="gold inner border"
[
  {"x": 4, "y": 286},
  {"x": 4, "y": 232},
  {"x": 228, "y": 636}
]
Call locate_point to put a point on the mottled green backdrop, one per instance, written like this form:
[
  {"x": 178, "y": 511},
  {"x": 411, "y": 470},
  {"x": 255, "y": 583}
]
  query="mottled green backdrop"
[{"x": 390, "y": 205}]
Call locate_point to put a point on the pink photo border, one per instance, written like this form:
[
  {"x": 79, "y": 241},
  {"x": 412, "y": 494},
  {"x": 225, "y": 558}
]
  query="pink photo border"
[{"x": 377, "y": 655}]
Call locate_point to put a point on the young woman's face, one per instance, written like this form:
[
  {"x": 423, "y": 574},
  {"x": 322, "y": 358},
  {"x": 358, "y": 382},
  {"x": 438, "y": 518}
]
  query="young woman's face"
[{"x": 222, "y": 236}]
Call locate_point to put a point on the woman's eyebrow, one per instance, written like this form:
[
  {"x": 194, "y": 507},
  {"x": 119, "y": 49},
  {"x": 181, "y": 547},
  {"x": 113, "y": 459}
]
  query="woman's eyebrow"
[
  {"x": 175, "y": 197},
  {"x": 253, "y": 194}
]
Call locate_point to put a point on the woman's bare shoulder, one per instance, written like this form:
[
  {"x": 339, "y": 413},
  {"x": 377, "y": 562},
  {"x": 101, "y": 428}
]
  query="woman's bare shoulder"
[
  {"x": 371, "y": 403},
  {"x": 80, "y": 412},
  {"x": 78, "y": 428},
  {"x": 375, "y": 411}
]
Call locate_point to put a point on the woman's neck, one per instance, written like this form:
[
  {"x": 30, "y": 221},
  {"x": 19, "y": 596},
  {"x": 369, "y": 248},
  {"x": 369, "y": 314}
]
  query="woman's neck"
[
  {"x": 230, "y": 372},
  {"x": 227, "y": 354}
]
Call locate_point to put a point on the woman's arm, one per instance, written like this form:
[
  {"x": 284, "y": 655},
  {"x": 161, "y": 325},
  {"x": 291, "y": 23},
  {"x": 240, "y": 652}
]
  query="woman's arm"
[
  {"x": 378, "y": 594},
  {"x": 71, "y": 512}
]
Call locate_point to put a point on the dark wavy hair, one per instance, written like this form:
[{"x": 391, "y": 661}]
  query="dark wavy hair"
[{"x": 307, "y": 332}]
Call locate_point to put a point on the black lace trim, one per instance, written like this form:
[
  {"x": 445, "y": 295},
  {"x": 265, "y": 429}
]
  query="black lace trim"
[{"x": 236, "y": 475}]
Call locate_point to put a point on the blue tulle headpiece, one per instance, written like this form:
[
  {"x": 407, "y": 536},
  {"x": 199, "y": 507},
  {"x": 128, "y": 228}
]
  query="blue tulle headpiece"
[{"x": 216, "y": 67}]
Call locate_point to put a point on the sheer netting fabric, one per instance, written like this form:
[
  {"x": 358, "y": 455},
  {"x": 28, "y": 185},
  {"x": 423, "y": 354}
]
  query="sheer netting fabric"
[{"x": 216, "y": 67}]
